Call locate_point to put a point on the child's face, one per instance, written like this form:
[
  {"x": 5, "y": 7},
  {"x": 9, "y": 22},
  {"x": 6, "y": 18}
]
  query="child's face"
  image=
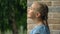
[{"x": 31, "y": 12}]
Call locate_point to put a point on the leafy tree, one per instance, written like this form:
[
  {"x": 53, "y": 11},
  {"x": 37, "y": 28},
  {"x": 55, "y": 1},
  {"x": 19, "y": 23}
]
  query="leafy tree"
[{"x": 12, "y": 15}]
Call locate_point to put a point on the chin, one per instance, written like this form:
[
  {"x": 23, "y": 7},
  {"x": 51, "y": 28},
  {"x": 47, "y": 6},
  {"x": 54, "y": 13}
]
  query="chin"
[{"x": 29, "y": 17}]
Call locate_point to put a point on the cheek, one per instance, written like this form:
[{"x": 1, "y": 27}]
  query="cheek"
[
  {"x": 33, "y": 15},
  {"x": 30, "y": 12}
]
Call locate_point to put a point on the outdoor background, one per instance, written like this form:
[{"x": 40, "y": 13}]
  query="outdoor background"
[
  {"x": 53, "y": 16},
  {"x": 13, "y": 16}
]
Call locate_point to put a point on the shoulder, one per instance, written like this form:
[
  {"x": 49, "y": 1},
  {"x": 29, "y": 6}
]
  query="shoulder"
[
  {"x": 40, "y": 27},
  {"x": 40, "y": 30}
]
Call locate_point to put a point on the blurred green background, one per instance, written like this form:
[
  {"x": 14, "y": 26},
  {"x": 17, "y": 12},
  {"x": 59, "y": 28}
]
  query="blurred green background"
[{"x": 13, "y": 16}]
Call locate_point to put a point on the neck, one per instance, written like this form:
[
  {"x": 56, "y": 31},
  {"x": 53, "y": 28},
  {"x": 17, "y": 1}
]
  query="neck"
[{"x": 38, "y": 21}]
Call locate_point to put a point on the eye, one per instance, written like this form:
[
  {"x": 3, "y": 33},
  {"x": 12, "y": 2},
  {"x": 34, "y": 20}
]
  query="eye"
[{"x": 29, "y": 8}]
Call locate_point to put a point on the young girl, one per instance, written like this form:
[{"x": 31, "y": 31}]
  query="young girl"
[{"x": 38, "y": 12}]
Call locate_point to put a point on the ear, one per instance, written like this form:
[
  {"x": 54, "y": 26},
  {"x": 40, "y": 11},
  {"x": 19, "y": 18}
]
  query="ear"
[{"x": 38, "y": 14}]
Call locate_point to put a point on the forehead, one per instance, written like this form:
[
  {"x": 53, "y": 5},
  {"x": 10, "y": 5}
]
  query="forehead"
[{"x": 36, "y": 6}]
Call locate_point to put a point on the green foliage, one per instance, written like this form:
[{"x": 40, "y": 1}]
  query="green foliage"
[{"x": 18, "y": 7}]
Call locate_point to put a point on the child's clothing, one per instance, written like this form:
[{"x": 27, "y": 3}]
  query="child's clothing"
[{"x": 40, "y": 29}]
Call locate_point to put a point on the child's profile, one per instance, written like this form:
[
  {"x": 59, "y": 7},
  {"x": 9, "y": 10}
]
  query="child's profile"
[{"x": 38, "y": 12}]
